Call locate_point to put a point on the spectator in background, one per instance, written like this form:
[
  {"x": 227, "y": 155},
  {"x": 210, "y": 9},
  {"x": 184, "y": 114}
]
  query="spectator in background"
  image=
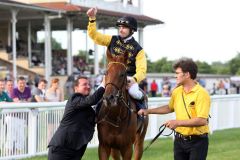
[
  {"x": 97, "y": 81},
  {"x": 9, "y": 74},
  {"x": 36, "y": 61},
  {"x": 129, "y": 2},
  {"x": 154, "y": 88},
  {"x": 214, "y": 89},
  {"x": 54, "y": 93},
  {"x": 237, "y": 88},
  {"x": 221, "y": 88},
  {"x": 167, "y": 82},
  {"x": 6, "y": 119},
  {"x": 202, "y": 82},
  {"x": 38, "y": 94},
  {"x": 227, "y": 86},
  {"x": 69, "y": 85},
  {"x": 3, "y": 95},
  {"x": 62, "y": 69},
  {"x": 15, "y": 122},
  {"x": 166, "y": 91},
  {"x": 9, "y": 87},
  {"x": 82, "y": 65},
  {"x": 36, "y": 80},
  {"x": 21, "y": 93}
]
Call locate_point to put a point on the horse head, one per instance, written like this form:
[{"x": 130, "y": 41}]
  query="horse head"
[{"x": 115, "y": 78}]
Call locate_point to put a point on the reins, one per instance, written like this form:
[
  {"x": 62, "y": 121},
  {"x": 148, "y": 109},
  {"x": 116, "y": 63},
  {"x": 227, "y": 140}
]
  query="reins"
[
  {"x": 161, "y": 129},
  {"x": 117, "y": 63},
  {"x": 119, "y": 96}
]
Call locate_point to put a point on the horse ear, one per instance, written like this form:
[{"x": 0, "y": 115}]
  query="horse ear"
[{"x": 109, "y": 56}]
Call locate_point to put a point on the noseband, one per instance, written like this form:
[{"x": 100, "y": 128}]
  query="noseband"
[{"x": 119, "y": 89}]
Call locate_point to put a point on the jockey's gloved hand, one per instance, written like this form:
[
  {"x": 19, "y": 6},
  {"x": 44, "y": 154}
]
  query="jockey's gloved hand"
[
  {"x": 131, "y": 80},
  {"x": 92, "y": 12}
]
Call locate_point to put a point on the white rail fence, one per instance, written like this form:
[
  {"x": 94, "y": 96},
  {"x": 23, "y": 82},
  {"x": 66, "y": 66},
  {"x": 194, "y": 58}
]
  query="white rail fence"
[{"x": 26, "y": 128}]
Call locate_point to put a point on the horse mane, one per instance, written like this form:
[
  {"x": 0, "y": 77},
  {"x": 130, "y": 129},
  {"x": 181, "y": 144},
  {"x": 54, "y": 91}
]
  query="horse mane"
[{"x": 122, "y": 57}]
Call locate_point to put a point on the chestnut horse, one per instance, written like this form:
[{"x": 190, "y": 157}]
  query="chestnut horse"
[{"x": 118, "y": 126}]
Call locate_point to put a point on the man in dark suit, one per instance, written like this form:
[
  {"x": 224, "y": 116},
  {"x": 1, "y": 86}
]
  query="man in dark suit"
[{"x": 77, "y": 125}]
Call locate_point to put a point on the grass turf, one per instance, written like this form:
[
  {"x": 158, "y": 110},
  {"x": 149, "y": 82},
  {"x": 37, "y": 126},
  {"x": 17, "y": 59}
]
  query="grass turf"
[{"x": 223, "y": 145}]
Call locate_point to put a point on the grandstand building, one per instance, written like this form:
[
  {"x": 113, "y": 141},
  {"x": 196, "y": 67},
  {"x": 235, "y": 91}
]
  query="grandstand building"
[{"x": 21, "y": 20}]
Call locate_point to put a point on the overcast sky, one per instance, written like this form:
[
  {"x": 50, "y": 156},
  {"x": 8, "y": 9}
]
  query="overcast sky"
[{"x": 206, "y": 30}]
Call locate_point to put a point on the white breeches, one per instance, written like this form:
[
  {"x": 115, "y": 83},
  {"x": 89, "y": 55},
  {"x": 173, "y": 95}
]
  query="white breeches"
[{"x": 135, "y": 92}]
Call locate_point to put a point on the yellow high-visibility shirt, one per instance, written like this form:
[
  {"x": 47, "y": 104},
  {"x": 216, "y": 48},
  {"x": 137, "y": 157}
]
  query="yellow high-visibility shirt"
[{"x": 197, "y": 104}]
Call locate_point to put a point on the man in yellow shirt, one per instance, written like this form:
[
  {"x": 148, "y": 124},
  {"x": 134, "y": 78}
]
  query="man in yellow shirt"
[
  {"x": 118, "y": 44},
  {"x": 191, "y": 104}
]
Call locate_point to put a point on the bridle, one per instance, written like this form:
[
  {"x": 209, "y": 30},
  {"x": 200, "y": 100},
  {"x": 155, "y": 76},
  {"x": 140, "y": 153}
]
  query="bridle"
[
  {"x": 120, "y": 89},
  {"x": 119, "y": 96}
]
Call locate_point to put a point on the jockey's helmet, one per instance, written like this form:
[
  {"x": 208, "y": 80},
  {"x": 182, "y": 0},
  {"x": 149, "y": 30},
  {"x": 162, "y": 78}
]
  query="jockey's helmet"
[{"x": 128, "y": 21}]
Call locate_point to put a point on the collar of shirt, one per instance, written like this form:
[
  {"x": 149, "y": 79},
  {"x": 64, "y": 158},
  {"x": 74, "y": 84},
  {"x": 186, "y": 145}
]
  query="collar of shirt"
[
  {"x": 127, "y": 39},
  {"x": 194, "y": 89}
]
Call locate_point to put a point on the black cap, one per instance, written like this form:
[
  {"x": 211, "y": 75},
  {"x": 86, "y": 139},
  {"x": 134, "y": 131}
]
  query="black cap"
[{"x": 128, "y": 21}]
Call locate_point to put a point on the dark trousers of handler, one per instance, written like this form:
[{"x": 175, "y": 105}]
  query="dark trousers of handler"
[
  {"x": 58, "y": 153},
  {"x": 190, "y": 147}
]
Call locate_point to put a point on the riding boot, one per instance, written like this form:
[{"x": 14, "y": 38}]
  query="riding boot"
[{"x": 141, "y": 104}]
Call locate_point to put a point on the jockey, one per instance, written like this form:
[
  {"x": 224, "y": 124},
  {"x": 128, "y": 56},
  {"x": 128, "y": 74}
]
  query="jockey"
[{"x": 117, "y": 44}]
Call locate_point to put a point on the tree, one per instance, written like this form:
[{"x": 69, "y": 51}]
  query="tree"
[
  {"x": 204, "y": 67},
  {"x": 150, "y": 66},
  {"x": 82, "y": 54},
  {"x": 55, "y": 44},
  {"x": 234, "y": 65},
  {"x": 220, "y": 68},
  {"x": 163, "y": 66}
]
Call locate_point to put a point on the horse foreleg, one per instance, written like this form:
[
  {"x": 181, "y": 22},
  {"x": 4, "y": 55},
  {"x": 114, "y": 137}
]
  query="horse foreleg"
[
  {"x": 103, "y": 152},
  {"x": 115, "y": 154},
  {"x": 127, "y": 152},
  {"x": 139, "y": 141},
  {"x": 138, "y": 147}
]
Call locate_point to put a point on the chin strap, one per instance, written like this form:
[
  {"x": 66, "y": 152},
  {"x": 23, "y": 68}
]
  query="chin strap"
[{"x": 128, "y": 37}]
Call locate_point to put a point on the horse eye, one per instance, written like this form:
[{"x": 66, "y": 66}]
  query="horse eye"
[{"x": 122, "y": 74}]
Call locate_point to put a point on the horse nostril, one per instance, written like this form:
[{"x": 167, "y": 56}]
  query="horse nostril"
[{"x": 111, "y": 97}]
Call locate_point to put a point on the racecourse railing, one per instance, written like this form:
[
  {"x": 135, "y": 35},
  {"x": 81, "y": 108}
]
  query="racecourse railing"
[{"x": 26, "y": 128}]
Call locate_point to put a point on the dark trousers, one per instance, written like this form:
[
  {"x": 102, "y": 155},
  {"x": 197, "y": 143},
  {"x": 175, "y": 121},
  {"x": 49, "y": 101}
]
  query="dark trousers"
[
  {"x": 59, "y": 153},
  {"x": 191, "y": 149},
  {"x": 154, "y": 93}
]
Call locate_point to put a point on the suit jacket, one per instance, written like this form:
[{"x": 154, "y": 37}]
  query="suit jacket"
[{"x": 78, "y": 123}]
